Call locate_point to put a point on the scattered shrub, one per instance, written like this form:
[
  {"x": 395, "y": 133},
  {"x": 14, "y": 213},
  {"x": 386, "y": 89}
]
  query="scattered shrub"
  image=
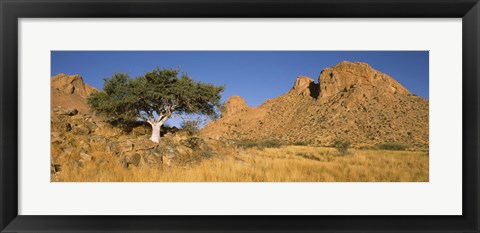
[
  {"x": 191, "y": 126},
  {"x": 307, "y": 156},
  {"x": 392, "y": 146},
  {"x": 192, "y": 142},
  {"x": 260, "y": 144},
  {"x": 300, "y": 143},
  {"x": 342, "y": 146},
  {"x": 207, "y": 153},
  {"x": 271, "y": 144}
]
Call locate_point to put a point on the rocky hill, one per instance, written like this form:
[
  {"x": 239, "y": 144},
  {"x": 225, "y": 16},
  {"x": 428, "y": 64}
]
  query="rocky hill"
[
  {"x": 351, "y": 102},
  {"x": 70, "y": 91}
]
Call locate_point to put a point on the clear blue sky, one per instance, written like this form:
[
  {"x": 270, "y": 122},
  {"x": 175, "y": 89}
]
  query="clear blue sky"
[{"x": 253, "y": 75}]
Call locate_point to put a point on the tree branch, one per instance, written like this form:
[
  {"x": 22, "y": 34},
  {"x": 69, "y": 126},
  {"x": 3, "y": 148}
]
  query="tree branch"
[{"x": 143, "y": 117}]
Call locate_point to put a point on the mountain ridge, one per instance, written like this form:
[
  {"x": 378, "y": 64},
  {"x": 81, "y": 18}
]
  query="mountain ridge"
[{"x": 351, "y": 102}]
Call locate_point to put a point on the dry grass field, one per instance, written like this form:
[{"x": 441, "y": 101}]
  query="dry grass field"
[{"x": 282, "y": 164}]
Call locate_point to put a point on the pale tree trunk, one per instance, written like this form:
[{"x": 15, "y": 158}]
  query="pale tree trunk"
[
  {"x": 157, "y": 124},
  {"x": 156, "y": 132}
]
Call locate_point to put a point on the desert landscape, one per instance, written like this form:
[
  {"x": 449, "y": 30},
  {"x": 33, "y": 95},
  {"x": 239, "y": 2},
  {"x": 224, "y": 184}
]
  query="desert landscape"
[{"x": 352, "y": 124}]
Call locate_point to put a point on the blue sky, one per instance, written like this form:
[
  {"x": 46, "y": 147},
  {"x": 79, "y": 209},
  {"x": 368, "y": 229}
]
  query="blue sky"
[{"x": 253, "y": 75}]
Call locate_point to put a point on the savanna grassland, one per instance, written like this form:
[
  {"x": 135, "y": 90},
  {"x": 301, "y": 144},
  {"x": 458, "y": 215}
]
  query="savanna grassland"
[
  {"x": 279, "y": 164},
  {"x": 355, "y": 124}
]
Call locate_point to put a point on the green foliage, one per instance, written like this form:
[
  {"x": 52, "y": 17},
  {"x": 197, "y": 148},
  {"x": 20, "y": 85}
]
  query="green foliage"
[
  {"x": 272, "y": 143},
  {"x": 392, "y": 146},
  {"x": 160, "y": 92},
  {"x": 342, "y": 146}
]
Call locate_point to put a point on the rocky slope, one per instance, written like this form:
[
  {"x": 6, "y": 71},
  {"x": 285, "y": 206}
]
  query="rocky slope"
[
  {"x": 78, "y": 137},
  {"x": 351, "y": 102}
]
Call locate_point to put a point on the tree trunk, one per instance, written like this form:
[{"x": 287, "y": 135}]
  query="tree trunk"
[{"x": 156, "y": 132}]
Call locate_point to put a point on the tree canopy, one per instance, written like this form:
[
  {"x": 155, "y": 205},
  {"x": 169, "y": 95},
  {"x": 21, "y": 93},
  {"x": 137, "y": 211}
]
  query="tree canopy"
[{"x": 155, "y": 96}]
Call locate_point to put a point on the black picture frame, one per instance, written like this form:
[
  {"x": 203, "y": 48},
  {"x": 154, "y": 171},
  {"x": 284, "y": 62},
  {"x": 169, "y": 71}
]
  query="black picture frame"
[{"x": 11, "y": 11}]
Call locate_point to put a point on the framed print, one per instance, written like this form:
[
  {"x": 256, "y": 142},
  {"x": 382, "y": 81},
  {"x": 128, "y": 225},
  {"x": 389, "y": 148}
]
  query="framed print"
[{"x": 318, "y": 116}]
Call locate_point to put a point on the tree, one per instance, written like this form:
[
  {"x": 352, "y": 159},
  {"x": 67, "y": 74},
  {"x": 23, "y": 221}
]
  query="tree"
[{"x": 154, "y": 97}]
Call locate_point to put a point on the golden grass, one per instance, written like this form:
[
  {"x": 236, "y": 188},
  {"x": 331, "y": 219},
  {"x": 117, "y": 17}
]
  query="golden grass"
[{"x": 284, "y": 164}]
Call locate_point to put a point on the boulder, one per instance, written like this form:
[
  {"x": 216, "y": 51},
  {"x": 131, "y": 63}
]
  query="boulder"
[
  {"x": 63, "y": 111},
  {"x": 125, "y": 146},
  {"x": 72, "y": 112},
  {"x": 144, "y": 144},
  {"x": 141, "y": 130},
  {"x": 86, "y": 157},
  {"x": 81, "y": 130},
  {"x": 106, "y": 130},
  {"x": 166, "y": 160},
  {"x": 56, "y": 137}
]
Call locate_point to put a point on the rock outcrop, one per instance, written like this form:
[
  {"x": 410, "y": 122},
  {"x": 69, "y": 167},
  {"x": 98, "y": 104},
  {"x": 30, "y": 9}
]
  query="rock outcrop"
[
  {"x": 70, "y": 91},
  {"x": 347, "y": 75},
  {"x": 352, "y": 102},
  {"x": 305, "y": 86},
  {"x": 78, "y": 139},
  {"x": 234, "y": 105}
]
